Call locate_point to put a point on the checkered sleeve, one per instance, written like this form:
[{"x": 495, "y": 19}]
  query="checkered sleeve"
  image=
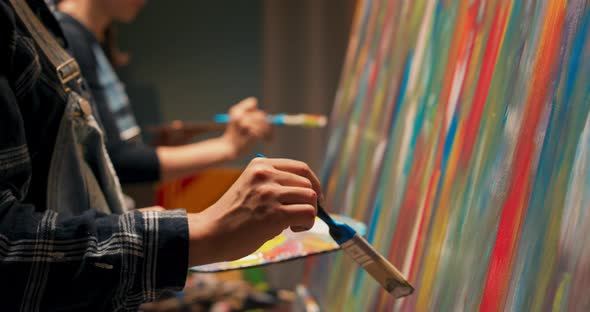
[{"x": 88, "y": 262}]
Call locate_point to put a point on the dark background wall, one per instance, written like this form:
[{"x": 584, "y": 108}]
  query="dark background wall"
[
  {"x": 201, "y": 56},
  {"x": 191, "y": 59},
  {"x": 304, "y": 46}
]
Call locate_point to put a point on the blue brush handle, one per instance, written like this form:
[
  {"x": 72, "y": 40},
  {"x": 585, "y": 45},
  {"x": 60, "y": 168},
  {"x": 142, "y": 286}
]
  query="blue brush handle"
[
  {"x": 340, "y": 232},
  {"x": 273, "y": 119},
  {"x": 221, "y": 118}
]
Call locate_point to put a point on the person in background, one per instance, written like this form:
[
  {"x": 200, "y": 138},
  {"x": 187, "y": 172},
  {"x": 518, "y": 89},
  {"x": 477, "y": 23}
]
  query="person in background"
[
  {"x": 87, "y": 28},
  {"x": 66, "y": 241}
]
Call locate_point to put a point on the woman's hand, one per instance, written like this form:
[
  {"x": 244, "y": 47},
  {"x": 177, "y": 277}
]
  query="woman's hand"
[{"x": 269, "y": 196}]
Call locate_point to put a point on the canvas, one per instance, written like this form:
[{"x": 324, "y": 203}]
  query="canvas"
[{"x": 461, "y": 136}]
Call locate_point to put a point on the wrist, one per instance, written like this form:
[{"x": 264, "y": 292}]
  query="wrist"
[
  {"x": 200, "y": 240},
  {"x": 228, "y": 148}
]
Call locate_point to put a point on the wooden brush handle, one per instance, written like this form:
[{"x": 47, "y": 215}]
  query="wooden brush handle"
[
  {"x": 390, "y": 278},
  {"x": 178, "y": 133}
]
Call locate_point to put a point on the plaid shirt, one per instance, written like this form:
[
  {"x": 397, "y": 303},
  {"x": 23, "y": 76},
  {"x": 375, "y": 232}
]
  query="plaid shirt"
[{"x": 51, "y": 261}]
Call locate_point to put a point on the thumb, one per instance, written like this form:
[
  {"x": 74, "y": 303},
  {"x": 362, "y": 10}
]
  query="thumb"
[{"x": 246, "y": 105}]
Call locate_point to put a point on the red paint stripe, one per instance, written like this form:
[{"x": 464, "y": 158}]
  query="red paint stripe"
[
  {"x": 407, "y": 214},
  {"x": 515, "y": 206},
  {"x": 484, "y": 82}
]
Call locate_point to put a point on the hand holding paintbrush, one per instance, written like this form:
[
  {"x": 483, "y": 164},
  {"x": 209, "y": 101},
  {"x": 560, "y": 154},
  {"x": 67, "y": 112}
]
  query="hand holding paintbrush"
[
  {"x": 179, "y": 132},
  {"x": 385, "y": 273}
]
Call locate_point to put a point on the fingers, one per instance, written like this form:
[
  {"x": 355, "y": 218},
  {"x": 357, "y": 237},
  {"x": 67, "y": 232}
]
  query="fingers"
[
  {"x": 250, "y": 120},
  {"x": 299, "y": 168},
  {"x": 286, "y": 178},
  {"x": 299, "y": 217},
  {"x": 284, "y": 187},
  {"x": 242, "y": 111},
  {"x": 290, "y": 184},
  {"x": 297, "y": 195},
  {"x": 257, "y": 124},
  {"x": 245, "y": 105},
  {"x": 300, "y": 205}
]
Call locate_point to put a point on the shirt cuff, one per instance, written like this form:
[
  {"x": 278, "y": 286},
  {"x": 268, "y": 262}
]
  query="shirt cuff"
[{"x": 165, "y": 250}]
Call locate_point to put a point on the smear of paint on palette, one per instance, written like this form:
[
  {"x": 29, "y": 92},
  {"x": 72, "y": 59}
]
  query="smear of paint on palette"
[
  {"x": 287, "y": 246},
  {"x": 461, "y": 136}
]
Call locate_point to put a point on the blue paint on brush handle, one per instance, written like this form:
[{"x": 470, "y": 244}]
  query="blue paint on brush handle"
[
  {"x": 273, "y": 119},
  {"x": 221, "y": 118},
  {"x": 340, "y": 232}
]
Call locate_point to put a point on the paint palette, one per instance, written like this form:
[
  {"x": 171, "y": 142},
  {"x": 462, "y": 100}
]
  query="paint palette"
[{"x": 287, "y": 246}]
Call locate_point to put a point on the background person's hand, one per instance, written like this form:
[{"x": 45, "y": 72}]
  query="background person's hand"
[
  {"x": 247, "y": 125},
  {"x": 269, "y": 196}
]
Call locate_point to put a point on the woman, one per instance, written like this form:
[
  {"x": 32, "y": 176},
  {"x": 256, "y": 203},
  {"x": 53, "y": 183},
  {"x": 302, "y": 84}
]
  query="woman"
[{"x": 87, "y": 28}]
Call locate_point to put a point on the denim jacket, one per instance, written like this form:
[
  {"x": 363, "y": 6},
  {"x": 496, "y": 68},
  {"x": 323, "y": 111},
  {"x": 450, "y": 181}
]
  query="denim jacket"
[{"x": 49, "y": 260}]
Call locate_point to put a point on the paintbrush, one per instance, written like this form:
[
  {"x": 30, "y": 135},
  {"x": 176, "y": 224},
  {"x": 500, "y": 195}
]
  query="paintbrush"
[
  {"x": 354, "y": 245},
  {"x": 302, "y": 120}
]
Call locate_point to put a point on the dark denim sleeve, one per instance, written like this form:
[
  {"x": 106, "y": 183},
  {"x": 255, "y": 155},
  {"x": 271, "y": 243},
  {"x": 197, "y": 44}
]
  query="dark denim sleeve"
[{"x": 87, "y": 262}]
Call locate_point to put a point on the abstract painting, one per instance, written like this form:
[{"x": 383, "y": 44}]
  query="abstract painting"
[{"x": 461, "y": 136}]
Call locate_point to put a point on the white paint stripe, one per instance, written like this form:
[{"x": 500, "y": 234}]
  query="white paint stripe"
[
  {"x": 421, "y": 47},
  {"x": 456, "y": 88},
  {"x": 406, "y": 136}
]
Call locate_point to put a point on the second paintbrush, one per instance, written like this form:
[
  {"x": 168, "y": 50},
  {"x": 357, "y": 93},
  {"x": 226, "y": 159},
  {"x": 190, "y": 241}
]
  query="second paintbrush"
[{"x": 302, "y": 120}]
